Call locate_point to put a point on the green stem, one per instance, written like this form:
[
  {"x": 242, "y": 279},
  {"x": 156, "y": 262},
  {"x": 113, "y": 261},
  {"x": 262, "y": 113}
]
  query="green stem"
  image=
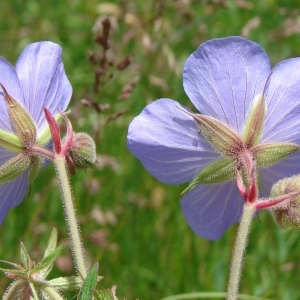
[
  {"x": 70, "y": 215},
  {"x": 238, "y": 252}
]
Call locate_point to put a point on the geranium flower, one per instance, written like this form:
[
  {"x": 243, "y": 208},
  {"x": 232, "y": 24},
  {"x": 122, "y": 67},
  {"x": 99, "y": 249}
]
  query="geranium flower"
[
  {"x": 37, "y": 81},
  {"x": 223, "y": 78}
]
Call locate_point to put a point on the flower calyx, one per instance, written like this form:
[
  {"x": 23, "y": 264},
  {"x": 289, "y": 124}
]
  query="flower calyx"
[
  {"x": 22, "y": 142},
  {"x": 78, "y": 149},
  {"x": 241, "y": 155}
]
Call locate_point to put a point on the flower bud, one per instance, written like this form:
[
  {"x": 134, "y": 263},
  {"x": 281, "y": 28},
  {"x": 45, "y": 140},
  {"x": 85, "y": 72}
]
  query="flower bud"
[
  {"x": 287, "y": 214},
  {"x": 82, "y": 151}
]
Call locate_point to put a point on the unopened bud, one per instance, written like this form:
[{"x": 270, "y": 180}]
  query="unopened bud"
[
  {"x": 287, "y": 214},
  {"x": 83, "y": 151}
]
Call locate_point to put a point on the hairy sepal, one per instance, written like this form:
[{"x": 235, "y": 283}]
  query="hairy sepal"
[
  {"x": 221, "y": 137},
  {"x": 255, "y": 122},
  {"x": 10, "y": 141},
  {"x": 221, "y": 170},
  {"x": 21, "y": 120},
  {"x": 270, "y": 154},
  {"x": 14, "y": 167},
  {"x": 35, "y": 167}
]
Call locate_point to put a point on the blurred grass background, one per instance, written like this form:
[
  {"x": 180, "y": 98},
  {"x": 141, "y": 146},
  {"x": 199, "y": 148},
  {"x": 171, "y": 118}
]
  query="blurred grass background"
[{"x": 132, "y": 224}]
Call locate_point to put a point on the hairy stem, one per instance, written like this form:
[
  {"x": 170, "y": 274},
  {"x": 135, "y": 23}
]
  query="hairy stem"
[
  {"x": 239, "y": 250},
  {"x": 68, "y": 203}
]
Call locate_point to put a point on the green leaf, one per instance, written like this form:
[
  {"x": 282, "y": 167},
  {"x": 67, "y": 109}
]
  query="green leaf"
[
  {"x": 50, "y": 293},
  {"x": 18, "y": 272},
  {"x": 221, "y": 170},
  {"x": 15, "y": 290},
  {"x": 89, "y": 284},
  {"x": 51, "y": 246},
  {"x": 11, "y": 264},
  {"x": 52, "y": 242},
  {"x": 63, "y": 284},
  {"x": 47, "y": 262},
  {"x": 25, "y": 259}
]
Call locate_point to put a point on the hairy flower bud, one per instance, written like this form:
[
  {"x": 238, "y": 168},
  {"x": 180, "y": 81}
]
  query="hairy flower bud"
[
  {"x": 83, "y": 151},
  {"x": 287, "y": 214}
]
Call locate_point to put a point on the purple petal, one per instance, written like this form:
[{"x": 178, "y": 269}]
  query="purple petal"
[
  {"x": 223, "y": 76},
  {"x": 283, "y": 103},
  {"x": 5, "y": 156},
  {"x": 168, "y": 143},
  {"x": 212, "y": 208},
  {"x": 12, "y": 193},
  {"x": 9, "y": 79},
  {"x": 43, "y": 79},
  {"x": 285, "y": 168}
]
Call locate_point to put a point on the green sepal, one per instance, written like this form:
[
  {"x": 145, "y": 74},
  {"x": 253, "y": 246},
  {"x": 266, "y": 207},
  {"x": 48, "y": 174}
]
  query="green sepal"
[
  {"x": 221, "y": 137},
  {"x": 35, "y": 167},
  {"x": 270, "y": 154},
  {"x": 10, "y": 141},
  {"x": 89, "y": 284},
  {"x": 220, "y": 170},
  {"x": 14, "y": 167},
  {"x": 255, "y": 122},
  {"x": 21, "y": 120}
]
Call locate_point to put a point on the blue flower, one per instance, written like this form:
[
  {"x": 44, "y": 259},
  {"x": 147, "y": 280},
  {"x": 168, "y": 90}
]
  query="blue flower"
[
  {"x": 222, "y": 78},
  {"x": 37, "y": 81}
]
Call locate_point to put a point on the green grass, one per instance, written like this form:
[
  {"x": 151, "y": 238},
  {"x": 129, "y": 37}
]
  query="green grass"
[{"x": 132, "y": 224}]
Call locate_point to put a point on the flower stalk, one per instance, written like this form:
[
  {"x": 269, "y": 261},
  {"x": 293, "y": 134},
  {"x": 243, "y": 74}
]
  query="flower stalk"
[
  {"x": 60, "y": 158},
  {"x": 70, "y": 215},
  {"x": 239, "y": 250}
]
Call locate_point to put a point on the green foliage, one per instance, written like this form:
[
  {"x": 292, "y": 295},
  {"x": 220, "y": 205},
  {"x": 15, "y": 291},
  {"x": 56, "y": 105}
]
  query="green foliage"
[{"x": 132, "y": 224}]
